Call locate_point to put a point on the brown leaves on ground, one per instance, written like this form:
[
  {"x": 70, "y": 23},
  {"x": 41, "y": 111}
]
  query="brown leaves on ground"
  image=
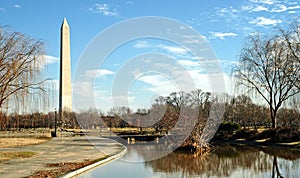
[{"x": 61, "y": 169}]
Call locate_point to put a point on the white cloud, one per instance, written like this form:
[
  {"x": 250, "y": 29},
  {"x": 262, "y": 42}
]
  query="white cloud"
[
  {"x": 153, "y": 83},
  {"x": 17, "y": 6},
  {"x": 104, "y": 9},
  {"x": 83, "y": 88},
  {"x": 292, "y": 3},
  {"x": 272, "y": 6},
  {"x": 197, "y": 58},
  {"x": 201, "y": 80},
  {"x": 222, "y": 35},
  {"x": 260, "y": 8},
  {"x": 163, "y": 86},
  {"x": 227, "y": 10},
  {"x": 173, "y": 49},
  {"x": 192, "y": 77},
  {"x": 142, "y": 44},
  {"x": 194, "y": 39},
  {"x": 98, "y": 73},
  {"x": 152, "y": 79},
  {"x": 262, "y": 21},
  {"x": 294, "y": 7},
  {"x": 228, "y": 13},
  {"x": 279, "y": 8},
  {"x": 247, "y": 8},
  {"x": 269, "y": 2},
  {"x": 52, "y": 84},
  {"x": 86, "y": 95},
  {"x": 46, "y": 60},
  {"x": 159, "y": 84},
  {"x": 83, "y": 97},
  {"x": 50, "y": 59},
  {"x": 105, "y": 100},
  {"x": 189, "y": 63}
]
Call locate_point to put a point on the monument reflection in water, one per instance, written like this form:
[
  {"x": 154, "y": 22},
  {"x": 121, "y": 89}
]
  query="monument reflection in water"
[{"x": 223, "y": 161}]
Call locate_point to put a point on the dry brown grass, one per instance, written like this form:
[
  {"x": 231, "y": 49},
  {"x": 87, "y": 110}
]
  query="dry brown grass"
[
  {"x": 15, "y": 142},
  {"x": 5, "y": 156}
]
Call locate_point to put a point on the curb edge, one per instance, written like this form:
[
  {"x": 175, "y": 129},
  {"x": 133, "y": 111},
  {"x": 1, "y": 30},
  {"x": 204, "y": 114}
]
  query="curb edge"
[{"x": 91, "y": 166}]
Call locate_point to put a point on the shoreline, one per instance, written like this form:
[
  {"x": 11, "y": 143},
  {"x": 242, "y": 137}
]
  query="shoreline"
[
  {"x": 92, "y": 166},
  {"x": 259, "y": 144},
  {"x": 85, "y": 169},
  {"x": 99, "y": 144}
]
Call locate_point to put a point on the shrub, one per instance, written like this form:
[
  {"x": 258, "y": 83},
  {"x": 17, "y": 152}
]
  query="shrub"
[
  {"x": 244, "y": 134},
  {"x": 229, "y": 126}
]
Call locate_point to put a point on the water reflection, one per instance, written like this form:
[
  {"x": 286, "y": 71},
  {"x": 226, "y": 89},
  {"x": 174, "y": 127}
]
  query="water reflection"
[
  {"x": 223, "y": 161},
  {"x": 226, "y": 160}
]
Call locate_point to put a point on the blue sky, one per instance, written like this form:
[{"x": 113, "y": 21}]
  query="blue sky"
[{"x": 224, "y": 24}]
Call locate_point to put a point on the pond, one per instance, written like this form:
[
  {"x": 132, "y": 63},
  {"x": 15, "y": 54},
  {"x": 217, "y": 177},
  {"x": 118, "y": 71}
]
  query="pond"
[{"x": 223, "y": 161}]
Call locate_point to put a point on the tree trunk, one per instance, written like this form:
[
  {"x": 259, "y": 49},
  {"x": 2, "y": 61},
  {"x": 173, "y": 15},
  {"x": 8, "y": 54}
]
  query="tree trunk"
[
  {"x": 273, "y": 117},
  {"x": 274, "y": 122},
  {"x": 0, "y": 121}
]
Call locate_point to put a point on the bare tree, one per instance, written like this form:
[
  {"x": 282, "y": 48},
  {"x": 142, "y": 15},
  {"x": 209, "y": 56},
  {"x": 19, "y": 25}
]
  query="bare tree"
[
  {"x": 292, "y": 39},
  {"x": 179, "y": 100},
  {"x": 244, "y": 109},
  {"x": 19, "y": 67},
  {"x": 269, "y": 70}
]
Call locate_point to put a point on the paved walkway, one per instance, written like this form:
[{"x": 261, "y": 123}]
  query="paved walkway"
[{"x": 58, "y": 150}]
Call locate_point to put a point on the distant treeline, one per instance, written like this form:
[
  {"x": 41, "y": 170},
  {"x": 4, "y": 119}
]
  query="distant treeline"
[{"x": 162, "y": 116}]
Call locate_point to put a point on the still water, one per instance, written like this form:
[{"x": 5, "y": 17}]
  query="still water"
[{"x": 223, "y": 161}]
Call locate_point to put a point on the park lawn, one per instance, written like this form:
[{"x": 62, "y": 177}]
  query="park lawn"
[
  {"x": 15, "y": 142},
  {"x": 5, "y": 156}
]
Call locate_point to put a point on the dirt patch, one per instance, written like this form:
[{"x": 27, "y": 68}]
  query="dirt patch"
[{"x": 15, "y": 142}]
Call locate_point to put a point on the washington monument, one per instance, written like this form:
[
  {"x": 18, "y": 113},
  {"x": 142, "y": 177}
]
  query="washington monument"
[{"x": 65, "y": 89}]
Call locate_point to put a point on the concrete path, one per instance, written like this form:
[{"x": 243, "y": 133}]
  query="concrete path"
[{"x": 58, "y": 150}]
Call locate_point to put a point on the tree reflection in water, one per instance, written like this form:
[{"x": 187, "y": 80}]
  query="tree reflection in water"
[
  {"x": 275, "y": 170},
  {"x": 225, "y": 159}
]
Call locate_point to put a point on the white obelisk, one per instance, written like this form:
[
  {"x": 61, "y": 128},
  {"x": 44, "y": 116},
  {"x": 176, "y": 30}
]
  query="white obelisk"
[{"x": 65, "y": 90}]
